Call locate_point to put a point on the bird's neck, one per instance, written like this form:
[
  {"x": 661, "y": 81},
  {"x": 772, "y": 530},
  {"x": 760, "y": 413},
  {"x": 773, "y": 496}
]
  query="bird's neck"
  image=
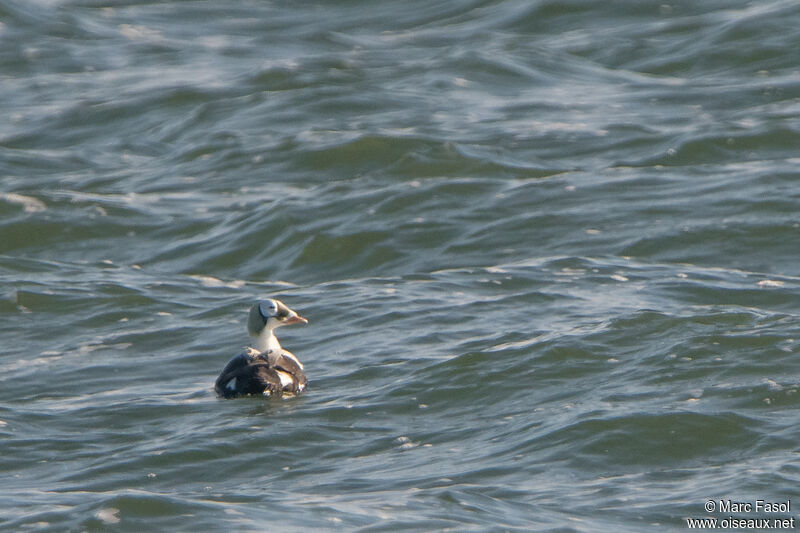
[{"x": 266, "y": 341}]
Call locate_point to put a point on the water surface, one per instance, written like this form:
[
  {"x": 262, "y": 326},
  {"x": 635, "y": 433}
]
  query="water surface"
[{"x": 548, "y": 251}]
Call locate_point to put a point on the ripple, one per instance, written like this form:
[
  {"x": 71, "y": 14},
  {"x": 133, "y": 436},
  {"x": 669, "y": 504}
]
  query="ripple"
[{"x": 550, "y": 272}]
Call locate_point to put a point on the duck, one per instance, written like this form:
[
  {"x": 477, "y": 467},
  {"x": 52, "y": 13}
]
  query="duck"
[{"x": 264, "y": 368}]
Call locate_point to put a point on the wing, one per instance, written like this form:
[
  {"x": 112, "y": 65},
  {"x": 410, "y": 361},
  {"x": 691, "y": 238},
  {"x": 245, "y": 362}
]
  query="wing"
[
  {"x": 257, "y": 378},
  {"x": 289, "y": 365},
  {"x": 251, "y": 372},
  {"x": 236, "y": 363},
  {"x": 236, "y": 368}
]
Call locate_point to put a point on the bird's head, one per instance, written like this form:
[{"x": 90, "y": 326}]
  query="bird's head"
[{"x": 270, "y": 314}]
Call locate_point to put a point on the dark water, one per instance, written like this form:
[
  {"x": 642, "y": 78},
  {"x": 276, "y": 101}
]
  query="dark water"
[{"x": 548, "y": 251}]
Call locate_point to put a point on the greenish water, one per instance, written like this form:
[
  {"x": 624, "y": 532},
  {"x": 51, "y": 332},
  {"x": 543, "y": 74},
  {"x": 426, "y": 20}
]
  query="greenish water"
[{"x": 548, "y": 251}]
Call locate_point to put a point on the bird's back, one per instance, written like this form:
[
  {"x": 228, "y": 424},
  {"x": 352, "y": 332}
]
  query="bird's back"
[{"x": 267, "y": 373}]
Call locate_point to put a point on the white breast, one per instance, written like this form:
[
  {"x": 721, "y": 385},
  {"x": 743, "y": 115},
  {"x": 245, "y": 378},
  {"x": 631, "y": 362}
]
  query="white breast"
[{"x": 286, "y": 379}]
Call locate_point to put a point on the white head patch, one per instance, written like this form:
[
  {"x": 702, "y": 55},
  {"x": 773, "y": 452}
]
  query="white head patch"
[{"x": 268, "y": 308}]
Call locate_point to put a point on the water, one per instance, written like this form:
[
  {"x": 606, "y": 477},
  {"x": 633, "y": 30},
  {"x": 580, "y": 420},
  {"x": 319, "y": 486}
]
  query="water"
[{"x": 548, "y": 251}]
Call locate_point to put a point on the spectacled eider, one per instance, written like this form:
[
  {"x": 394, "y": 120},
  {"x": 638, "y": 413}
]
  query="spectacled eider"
[{"x": 266, "y": 368}]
